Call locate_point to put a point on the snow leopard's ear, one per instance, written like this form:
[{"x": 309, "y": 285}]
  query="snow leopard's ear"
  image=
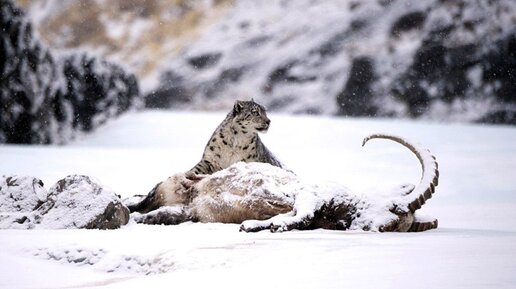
[{"x": 237, "y": 108}]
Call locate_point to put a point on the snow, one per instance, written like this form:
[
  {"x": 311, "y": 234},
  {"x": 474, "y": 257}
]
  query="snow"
[{"x": 475, "y": 202}]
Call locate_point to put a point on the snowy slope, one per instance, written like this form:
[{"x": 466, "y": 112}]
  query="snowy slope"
[
  {"x": 433, "y": 59},
  {"x": 474, "y": 247},
  {"x": 404, "y": 58}
]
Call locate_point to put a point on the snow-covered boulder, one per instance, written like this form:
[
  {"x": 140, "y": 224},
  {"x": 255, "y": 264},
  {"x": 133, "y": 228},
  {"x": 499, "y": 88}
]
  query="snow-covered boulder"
[
  {"x": 73, "y": 202},
  {"x": 19, "y": 197},
  {"x": 78, "y": 202},
  {"x": 21, "y": 193}
]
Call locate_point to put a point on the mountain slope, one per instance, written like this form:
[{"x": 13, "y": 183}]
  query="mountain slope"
[
  {"x": 47, "y": 97},
  {"x": 439, "y": 59}
]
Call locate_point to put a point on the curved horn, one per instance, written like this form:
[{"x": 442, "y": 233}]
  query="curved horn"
[{"x": 430, "y": 173}]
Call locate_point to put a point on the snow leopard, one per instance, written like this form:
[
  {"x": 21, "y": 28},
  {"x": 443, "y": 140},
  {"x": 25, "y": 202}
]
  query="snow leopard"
[{"x": 236, "y": 139}]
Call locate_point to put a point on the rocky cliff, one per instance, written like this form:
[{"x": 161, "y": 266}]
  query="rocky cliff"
[
  {"x": 49, "y": 98},
  {"x": 438, "y": 59}
]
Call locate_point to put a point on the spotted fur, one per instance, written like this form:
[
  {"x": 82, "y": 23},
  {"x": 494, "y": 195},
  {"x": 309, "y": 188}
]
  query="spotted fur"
[{"x": 236, "y": 139}]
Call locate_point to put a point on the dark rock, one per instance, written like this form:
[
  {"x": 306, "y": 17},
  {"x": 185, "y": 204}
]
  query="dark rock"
[
  {"x": 283, "y": 74},
  {"x": 29, "y": 78},
  {"x": 446, "y": 69},
  {"x": 354, "y": 5},
  {"x": 225, "y": 78},
  {"x": 97, "y": 90},
  {"x": 279, "y": 103},
  {"x": 231, "y": 74},
  {"x": 499, "y": 68},
  {"x": 114, "y": 216},
  {"x": 409, "y": 21},
  {"x": 176, "y": 91},
  {"x": 205, "y": 60},
  {"x": 172, "y": 92},
  {"x": 257, "y": 41},
  {"x": 280, "y": 74},
  {"x": 502, "y": 116},
  {"x": 357, "y": 95},
  {"x": 167, "y": 97},
  {"x": 385, "y": 2},
  {"x": 411, "y": 87},
  {"x": 436, "y": 66},
  {"x": 334, "y": 44}
]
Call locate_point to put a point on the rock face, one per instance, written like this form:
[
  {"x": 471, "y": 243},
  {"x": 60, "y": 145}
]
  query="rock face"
[
  {"x": 434, "y": 59},
  {"x": 73, "y": 202},
  {"x": 357, "y": 95},
  {"x": 443, "y": 60},
  {"x": 47, "y": 99},
  {"x": 445, "y": 74}
]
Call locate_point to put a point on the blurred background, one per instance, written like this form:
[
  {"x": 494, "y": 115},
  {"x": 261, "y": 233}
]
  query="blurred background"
[{"x": 68, "y": 66}]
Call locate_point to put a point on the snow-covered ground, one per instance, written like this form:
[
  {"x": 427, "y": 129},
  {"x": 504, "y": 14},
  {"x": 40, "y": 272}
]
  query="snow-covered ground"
[{"x": 475, "y": 202}]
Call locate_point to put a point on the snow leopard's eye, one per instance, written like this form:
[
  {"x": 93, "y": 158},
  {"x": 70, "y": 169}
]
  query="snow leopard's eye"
[{"x": 255, "y": 112}]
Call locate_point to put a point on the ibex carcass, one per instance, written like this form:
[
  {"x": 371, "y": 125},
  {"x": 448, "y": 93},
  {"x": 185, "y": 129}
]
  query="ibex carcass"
[{"x": 260, "y": 196}]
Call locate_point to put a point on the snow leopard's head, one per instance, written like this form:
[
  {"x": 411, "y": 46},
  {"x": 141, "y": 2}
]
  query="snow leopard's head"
[{"x": 250, "y": 116}]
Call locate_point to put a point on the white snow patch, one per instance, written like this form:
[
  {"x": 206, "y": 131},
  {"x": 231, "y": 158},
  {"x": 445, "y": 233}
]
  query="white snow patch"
[{"x": 474, "y": 246}]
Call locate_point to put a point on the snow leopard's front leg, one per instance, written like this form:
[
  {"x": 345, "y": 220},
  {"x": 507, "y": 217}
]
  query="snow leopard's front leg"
[{"x": 204, "y": 167}]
